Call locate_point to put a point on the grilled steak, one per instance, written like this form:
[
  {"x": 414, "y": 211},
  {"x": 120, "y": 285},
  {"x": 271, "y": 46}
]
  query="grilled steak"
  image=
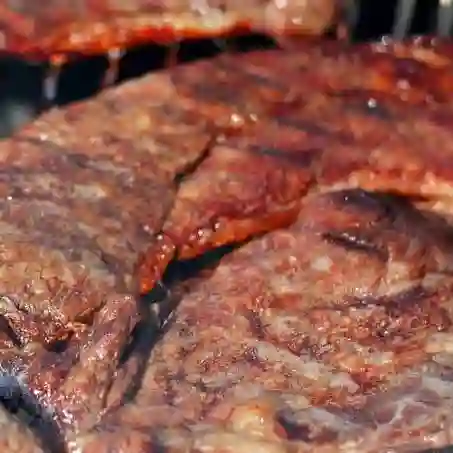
[
  {"x": 332, "y": 128},
  {"x": 349, "y": 299},
  {"x": 331, "y": 335},
  {"x": 87, "y": 27},
  {"x": 76, "y": 209}
]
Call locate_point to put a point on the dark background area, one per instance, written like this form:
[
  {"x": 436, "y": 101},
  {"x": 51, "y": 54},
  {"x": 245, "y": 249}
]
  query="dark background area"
[{"x": 21, "y": 83}]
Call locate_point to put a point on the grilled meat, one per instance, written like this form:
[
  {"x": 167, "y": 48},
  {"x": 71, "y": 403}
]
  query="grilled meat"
[
  {"x": 98, "y": 26},
  {"x": 302, "y": 339},
  {"x": 344, "y": 117},
  {"x": 76, "y": 209},
  {"x": 331, "y": 335}
]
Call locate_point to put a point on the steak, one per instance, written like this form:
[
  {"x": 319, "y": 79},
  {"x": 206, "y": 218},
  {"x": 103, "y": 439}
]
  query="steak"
[
  {"x": 332, "y": 128},
  {"x": 76, "y": 209},
  {"x": 94, "y": 27},
  {"x": 329, "y": 329},
  {"x": 331, "y": 335}
]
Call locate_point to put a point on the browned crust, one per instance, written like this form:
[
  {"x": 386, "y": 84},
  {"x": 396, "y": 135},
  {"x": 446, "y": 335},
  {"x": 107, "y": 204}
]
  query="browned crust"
[{"x": 85, "y": 27}]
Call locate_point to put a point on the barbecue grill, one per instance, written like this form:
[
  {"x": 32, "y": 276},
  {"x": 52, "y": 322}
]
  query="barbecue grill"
[{"x": 23, "y": 84}]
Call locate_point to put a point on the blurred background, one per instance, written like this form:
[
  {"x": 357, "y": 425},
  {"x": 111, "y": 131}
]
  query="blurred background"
[{"x": 21, "y": 83}]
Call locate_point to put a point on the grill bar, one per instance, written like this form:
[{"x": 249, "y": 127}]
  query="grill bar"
[
  {"x": 399, "y": 18},
  {"x": 404, "y": 16},
  {"x": 445, "y": 18}
]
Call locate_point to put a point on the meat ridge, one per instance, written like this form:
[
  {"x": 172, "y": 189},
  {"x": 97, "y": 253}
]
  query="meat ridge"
[
  {"x": 287, "y": 347},
  {"x": 246, "y": 186}
]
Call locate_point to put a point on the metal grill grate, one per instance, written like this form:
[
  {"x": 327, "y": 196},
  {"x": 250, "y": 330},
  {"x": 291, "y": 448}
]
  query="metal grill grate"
[{"x": 399, "y": 18}]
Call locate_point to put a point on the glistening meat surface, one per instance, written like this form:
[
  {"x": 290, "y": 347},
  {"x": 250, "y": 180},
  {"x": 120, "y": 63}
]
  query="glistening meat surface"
[
  {"x": 325, "y": 125},
  {"x": 331, "y": 335},
  {"x": 86, "y": 27},
  {"x": 76, "y": 209}
]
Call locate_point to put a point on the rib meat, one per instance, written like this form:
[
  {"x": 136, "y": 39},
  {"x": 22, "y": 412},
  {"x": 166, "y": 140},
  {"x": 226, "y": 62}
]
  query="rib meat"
[{"x": 332, "y": 335}]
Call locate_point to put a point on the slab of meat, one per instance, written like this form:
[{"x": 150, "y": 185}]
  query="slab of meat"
[
  {"x": 343, "y": 117},
  {"x": 332, "y": 335},
  {"x": 75, "y": 210},
  {"x": 56, "y": 27},
  {"x": 188, "y": 163}
]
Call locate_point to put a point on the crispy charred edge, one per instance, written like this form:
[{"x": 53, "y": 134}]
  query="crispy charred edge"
[{"x": 120, "y": 31}]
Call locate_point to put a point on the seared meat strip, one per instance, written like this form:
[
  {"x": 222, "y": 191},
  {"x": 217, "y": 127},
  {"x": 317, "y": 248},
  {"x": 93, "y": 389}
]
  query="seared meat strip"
[
  {"x": 96, "y": 26},
  {"x": 331, "y": 335}
]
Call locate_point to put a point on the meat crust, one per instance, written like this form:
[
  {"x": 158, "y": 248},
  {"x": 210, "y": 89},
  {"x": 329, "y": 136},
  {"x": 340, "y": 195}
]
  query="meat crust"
[
  {"x": 331, "y": 335},
  {"x": 62, "y": 28},
  {"x": 76, "y": 209},
  {"x": 375, "y": 117}
]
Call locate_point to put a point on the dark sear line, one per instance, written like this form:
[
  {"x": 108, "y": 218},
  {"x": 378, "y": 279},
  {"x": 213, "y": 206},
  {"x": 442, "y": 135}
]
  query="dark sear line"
[{"x": 356, "y": 241}]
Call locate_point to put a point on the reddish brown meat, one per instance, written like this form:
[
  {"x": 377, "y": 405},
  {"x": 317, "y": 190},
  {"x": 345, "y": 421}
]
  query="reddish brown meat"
[
  {"x": 59, "y": 28},
  {"x": 76, "y": 209},
  {"x": 328, "y": 125},
  {"x": 332, "y": 335},
  {"x": 188, "y": 163}
]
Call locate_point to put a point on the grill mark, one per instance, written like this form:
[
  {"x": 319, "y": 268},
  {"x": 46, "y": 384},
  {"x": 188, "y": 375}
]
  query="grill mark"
[
  {"x": 249, "y": 71},
  {"x": 305, "y": 158},
  {"x": 416, "y": 304},
  {"x": 385, "y": 110},
  {"x": 39, "y": 232},
  {"x": 356, "y": 241},
  {"x": 307, "y": 126},
  {"x": 227, "y": 93},
  {"x": 105, "y": 207},
  {"x": 57, "y": 158},
  {"x": 256, "y": 326}
]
